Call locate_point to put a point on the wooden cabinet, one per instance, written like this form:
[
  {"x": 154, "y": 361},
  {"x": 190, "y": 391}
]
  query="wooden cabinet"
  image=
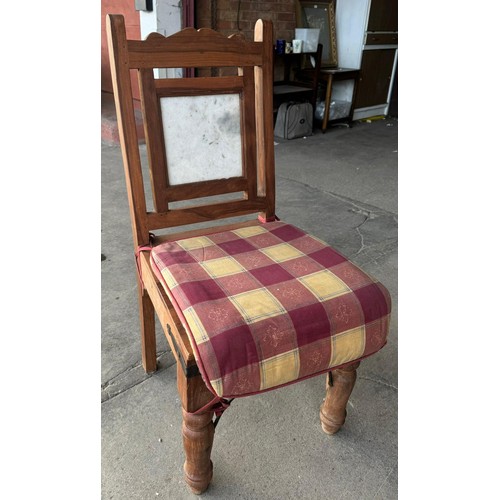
[
  {"x": 375, "y": 77},
  {"x": 381, "y": 38},
  {"x": 383, "y": 15},
  {"x": 367, "y": 39}
]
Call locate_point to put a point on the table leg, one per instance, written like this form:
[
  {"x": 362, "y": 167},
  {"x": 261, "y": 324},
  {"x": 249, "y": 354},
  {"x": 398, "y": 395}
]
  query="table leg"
[
  {"x": 328, "y": 97},
  {"x": 354, "y": 92}
]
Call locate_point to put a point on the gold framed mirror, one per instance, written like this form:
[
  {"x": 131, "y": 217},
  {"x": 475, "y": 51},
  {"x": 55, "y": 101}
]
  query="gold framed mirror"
[{"x": 320, "y": 15}]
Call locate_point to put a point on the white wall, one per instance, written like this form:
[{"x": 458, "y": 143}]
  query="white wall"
[{"x": 166, "y": 19}]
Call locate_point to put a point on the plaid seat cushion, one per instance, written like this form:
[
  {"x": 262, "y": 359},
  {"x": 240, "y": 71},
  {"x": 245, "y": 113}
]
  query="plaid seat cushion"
[{"x": 268, "y": 305}]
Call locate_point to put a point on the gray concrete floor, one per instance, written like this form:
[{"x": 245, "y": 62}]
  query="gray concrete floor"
[{"x": 342, "y": 187}]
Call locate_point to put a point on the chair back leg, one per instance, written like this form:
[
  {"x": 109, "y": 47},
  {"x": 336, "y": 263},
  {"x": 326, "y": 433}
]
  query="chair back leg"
[{"x": 148, "y": 333}]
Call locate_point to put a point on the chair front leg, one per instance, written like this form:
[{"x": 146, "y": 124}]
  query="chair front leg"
[
  {"x": 333, "y": 410},
  {"x": 198, "y": 437},
  {"x": 197, "y": 431}
]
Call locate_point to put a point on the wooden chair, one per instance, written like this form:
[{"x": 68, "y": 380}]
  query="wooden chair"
[{"x": 335, "y": 313}]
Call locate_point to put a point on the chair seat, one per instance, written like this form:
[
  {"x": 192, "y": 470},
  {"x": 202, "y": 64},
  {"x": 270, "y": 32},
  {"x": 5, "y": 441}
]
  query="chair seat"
[{"x": 268, "y": 305}]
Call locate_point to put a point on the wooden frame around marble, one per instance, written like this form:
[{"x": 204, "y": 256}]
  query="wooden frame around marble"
[{"x": 152, "y": 91}]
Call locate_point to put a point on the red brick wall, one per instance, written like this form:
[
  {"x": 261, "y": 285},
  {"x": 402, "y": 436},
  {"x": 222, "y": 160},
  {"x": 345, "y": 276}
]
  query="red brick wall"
[
  {"x": 280, "y": 12},
  {"x": 132, "y": 24}
]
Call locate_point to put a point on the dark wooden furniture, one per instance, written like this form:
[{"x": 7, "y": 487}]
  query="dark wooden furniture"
[
  {"x": 300, "y": 78},
  {"x": 376, "y": 73},
  {"x": 328, "y": 76},
  {"x": 367, "y": 37},
  {"x": 254, "y": 86},
  {"x": 383, "y": 17}
]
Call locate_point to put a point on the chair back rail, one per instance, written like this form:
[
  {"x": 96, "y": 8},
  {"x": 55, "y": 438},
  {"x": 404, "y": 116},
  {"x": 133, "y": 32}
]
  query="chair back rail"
[{"x": 192, "y": 48}]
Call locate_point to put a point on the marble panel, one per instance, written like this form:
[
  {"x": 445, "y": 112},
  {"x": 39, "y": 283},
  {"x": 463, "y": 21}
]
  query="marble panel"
[{"x": 202, "y": 137}]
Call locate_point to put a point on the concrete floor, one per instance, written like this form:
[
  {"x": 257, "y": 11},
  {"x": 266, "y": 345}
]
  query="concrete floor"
[{"x": 342, "y": 187}]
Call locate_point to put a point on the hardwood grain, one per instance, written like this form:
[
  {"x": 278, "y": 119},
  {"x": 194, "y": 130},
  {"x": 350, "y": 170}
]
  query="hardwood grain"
[
  {"x": 148, "y": 334},
  {"x": 204, "y": 213},
  {"x": 333, "y": 411},
  {"x": 165, "y": 311},
  {"x": 198, "y": 436},
  {"x": 192, "y": 48},
  {"x": 122, "y": 90},
  {"x": 202, "y": 189},
  {"x": 153, "y": 130},
  {"x": 249, "y": 132},
  {"x": 197, "y": 431},
  {"x": 264, "y": 118},
  {"x": 174, "y": 87}
]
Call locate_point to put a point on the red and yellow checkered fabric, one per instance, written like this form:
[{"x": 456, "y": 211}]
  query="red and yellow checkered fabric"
[{"x": 268, "y": 305}]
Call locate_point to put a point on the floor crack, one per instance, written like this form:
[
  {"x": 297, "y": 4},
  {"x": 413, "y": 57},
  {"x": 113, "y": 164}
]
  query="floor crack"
[
  {"x": 362, "y": 241},
  {"x": 371, "y": 212},
  {"x": 105, "y": 385},
  {"x": 133, "y": 376},
  {"x": 363, "y": 246},
  {"x": 364, "y": 377},
  {"x": 385, "y": 480},
  {"x": 117, "y": 393}
]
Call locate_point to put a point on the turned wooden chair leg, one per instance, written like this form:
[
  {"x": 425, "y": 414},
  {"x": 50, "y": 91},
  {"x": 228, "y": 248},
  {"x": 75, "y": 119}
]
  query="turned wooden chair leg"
[
  {"x": 197, "y": 431},
  {"x": 148, "y": 334},
  {"x": 333, "y": 410},
  {"x": 198, "y": 435}
]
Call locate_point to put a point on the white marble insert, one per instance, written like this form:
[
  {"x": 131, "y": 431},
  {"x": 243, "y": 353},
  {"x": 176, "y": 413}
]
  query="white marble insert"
[{"x": 202, "y": 137}]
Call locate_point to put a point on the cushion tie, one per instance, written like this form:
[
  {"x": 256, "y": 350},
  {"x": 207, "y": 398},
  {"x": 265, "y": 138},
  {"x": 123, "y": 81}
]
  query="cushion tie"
[
  {"x": 139, "y": 249},
  {"x": 218, "y": 405},
  {"x": 264, "y": 219}
]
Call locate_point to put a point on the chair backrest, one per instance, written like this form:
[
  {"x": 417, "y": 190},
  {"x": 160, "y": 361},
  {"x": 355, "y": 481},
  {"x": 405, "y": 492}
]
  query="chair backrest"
[{"x": 205, "y": 136}]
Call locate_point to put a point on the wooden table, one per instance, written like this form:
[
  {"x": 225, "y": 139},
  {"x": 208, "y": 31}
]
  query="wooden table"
[{"x": 337, "y": 74}]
